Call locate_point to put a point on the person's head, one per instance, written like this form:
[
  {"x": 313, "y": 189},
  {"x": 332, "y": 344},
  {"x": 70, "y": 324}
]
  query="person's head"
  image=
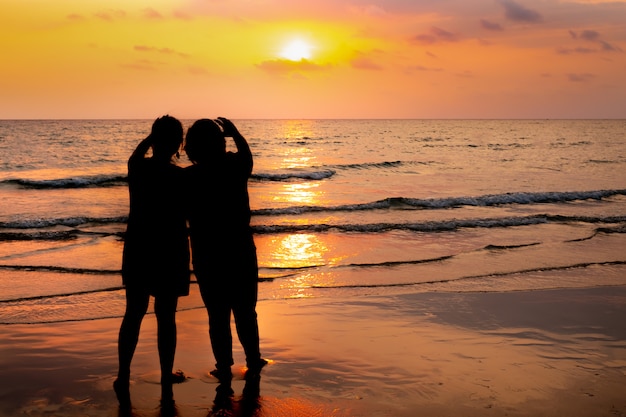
[
  {"x": 167, "y": 133},
  {"x": 204, "y": 141}
]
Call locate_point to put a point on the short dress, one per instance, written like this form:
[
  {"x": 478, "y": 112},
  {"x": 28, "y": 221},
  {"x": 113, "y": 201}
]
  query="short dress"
[{"x": 156, "y": 256}]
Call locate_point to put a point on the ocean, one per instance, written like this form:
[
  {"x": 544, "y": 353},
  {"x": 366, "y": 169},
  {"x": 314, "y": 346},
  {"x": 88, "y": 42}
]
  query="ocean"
[{"x": 340, "y": 208}]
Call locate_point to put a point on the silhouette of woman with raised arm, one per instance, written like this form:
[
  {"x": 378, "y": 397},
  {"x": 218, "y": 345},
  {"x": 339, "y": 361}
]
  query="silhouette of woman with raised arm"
[
  {"x": 223, "y": 251},
  {"x": 156, "y": 252}
]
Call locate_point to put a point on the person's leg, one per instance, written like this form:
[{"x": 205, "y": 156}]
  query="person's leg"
[
  {"x": 165, "y": 311},
  {"x": 219, "y": 311},
  {"x": 244, "y": 311},
  {"x": 136, "y": 307},
  {"x": 247, "y": 327},
  {"x": 220, "y": 335},
  {"x": 244, "y": 305}
]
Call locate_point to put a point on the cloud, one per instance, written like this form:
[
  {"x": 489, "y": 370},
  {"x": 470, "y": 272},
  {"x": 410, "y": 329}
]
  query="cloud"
[
  {"x": 580, "y": 50},
  {"x": 422, "y": 68},
  {"x": 373, "y": 10},
  {"x": 368, "y": 61},
  {"x": 365, "y": 64},
  {"x": 518, "y": 13},
  {"x": 465, "y": 74},
  {"x": 111, "y": 15},
  {"x": 283, "y": 66},
  {"x": 195, "y": 70},
  {"x": 593, "y": 36},
  {"x": 436, "y": 35},
  {"x": 590, "y": 35},
  {"x": 181, "y": 15},
  {"x": 487, "y": 25},
  {"x": 150, "y": 13},
  {"x": 580, "y": 78},
  {"x": 165, "y": 51},
  {"x": 610, "y": 48},
  {"x": 75, "y": 16},
  {"x": 141, "y": 65}
]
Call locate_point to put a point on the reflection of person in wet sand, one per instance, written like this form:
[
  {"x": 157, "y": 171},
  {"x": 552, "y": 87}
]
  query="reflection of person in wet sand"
[
  {"x": 223, "y": 249},
  {"x": 247, "y": 405},
  {"x": 156, "y": 253}
]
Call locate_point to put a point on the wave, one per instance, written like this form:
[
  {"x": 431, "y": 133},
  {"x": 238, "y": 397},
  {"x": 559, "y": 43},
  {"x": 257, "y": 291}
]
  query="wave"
[
  {"x": 72, "y": 182},
  {"x": 468, "y": 277},
  {"x": 294, "y": 175},
  {"x": 320, "y": 173},
  {"x": 89, "y": 271},
  {"x": 61, "y": 269},
  {"x": 90, "y": 181},
  {"x": 122, "y": 180},
  {"x": 437, "y": 226},
  {"x": 32, "y": 228},
  {"x": 72, "y": 294},
  {"x": 388, "y": 264},
  {"x": 428, "y": 226},
  {"x": 50, "y": 236},
  {"x": 451, "y": 202},
  {"x": 63, "y": 221},
  {"x": 369, "y": 165}
]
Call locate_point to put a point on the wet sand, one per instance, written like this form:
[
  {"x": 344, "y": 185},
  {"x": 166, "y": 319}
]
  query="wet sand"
[{"x": 540, "y": 353}]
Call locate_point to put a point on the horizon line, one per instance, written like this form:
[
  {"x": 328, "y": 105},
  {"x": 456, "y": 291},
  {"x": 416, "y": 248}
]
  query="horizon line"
[{"x": 320, "y": 118}]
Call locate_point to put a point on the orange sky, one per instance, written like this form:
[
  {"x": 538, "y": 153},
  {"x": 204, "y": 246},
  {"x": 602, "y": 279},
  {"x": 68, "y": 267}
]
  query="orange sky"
[{"x": 360, "y": 59}]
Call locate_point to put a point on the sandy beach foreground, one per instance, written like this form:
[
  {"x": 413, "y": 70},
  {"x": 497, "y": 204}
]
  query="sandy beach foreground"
[{"x": 540, "y": 353}]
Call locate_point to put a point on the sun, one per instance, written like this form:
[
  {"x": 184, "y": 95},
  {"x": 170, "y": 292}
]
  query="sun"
[{"x": 296, "y": 50}]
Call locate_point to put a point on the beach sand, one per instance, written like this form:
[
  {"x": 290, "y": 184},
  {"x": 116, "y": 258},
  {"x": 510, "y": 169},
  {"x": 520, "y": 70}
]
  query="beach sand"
[{"x": 541, "y": 353}]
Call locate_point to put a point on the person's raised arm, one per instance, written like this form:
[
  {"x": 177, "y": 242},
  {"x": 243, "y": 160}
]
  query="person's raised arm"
[
  {"x": 141, "y": 149},
  {"x": 243, "y": 149}
]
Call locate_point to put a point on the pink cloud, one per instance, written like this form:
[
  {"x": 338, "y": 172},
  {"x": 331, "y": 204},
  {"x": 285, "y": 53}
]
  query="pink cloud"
[{"x": 436, "y": 35}]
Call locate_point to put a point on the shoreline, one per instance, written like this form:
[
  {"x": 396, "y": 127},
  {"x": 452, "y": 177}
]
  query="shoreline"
[{"x": 537, "y": 353}]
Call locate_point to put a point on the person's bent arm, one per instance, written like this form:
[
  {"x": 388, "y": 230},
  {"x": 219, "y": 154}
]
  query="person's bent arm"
[
  {"x": 243, "y": 149},
  {"x": 141, "y": 149}
]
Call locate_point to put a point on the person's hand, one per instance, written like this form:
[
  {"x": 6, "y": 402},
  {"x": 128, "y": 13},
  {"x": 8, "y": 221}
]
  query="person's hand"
[{"x": 229, "y": 127}]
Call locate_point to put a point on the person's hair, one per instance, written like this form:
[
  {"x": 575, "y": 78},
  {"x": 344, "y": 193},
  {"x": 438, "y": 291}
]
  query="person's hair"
[
  {"x": 204, "y": 140},
  {"x": 167, "y": 132}
]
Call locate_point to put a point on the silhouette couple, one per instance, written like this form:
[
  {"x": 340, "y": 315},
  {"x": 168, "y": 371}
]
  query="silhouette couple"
[{"x": 205, "y": 204}]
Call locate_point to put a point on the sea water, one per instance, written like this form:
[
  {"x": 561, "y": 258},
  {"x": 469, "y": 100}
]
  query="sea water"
[{"x": 340, "y": 208}]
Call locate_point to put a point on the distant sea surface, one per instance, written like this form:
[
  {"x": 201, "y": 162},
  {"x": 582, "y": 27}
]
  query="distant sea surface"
[{"x": 341, "y": 208}]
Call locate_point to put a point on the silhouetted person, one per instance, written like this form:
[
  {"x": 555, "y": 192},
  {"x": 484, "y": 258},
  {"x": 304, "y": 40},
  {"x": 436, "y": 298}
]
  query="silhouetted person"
[
  {"x": 223, "y": 250},
  {"x": 156, "y": 252}
]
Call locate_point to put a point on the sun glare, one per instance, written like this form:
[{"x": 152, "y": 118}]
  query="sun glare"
[{"x": 296, "y": 50}]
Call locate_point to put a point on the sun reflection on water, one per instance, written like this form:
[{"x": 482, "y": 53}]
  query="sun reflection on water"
[
  {"x": 303, "y": 252},
  {"x": 297, "y": 129},
  {"x": 297, "y": 250},
  {"x": 303, "y": 260},
  {"x": 306, "y": 193},
  {"x": 298, "y": 158}
]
